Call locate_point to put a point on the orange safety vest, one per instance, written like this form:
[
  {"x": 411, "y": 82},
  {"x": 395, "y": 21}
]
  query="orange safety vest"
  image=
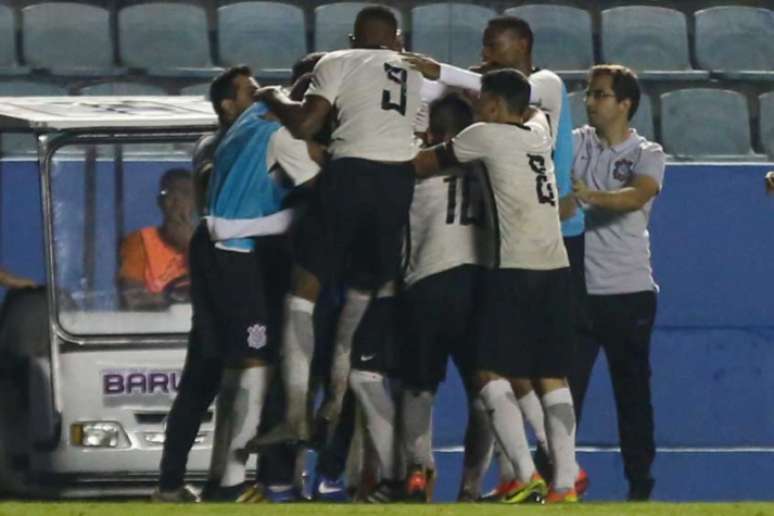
[{"x": 164, "y": 263}]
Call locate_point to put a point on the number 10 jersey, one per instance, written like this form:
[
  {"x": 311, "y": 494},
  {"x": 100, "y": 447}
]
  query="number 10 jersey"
[{"x": 376, "y": 97}]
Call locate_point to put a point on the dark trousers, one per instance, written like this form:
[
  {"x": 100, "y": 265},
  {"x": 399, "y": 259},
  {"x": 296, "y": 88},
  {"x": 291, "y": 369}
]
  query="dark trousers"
[{"x": 622, "y": 325}]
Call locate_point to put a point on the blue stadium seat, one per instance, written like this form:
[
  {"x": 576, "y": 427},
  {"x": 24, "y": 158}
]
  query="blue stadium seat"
[
  {"x": 766, "y": 122},
  {"x": 449, "y": 32},
  {"x": 736, "y": 42},
  {"x": 8, "y": 63},
  {"x": 166, "y": 39},
  {"x": 651, "y": 40},
  {"x": 202, "y": 88},
  {"x": 68, "y": 38},
  {"x": 643, "y": 118},
  {"x": 21, "y": 144},
  {"x": 264, "y": 35},
  {"x": 333, "y": 23},
  {"x": 563, "y": 40},
  {"x": 701, "y": 124},
  {"x": 122, "y": 88}
]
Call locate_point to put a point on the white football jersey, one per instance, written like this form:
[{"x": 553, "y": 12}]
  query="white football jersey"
[
  {"x": 376, "y": 96},
  {"x": 447, "y": 226},
  {"x": 521, "y": 179}
]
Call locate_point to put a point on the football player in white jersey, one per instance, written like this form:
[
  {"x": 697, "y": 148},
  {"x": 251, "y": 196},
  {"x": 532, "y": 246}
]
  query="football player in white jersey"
[
  {"x": 524, "y": 330},
  {"x": 355, "y": 235}
]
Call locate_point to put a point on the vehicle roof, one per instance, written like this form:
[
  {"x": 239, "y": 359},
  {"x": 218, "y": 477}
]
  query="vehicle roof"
[{"x": 46, "y": 114}]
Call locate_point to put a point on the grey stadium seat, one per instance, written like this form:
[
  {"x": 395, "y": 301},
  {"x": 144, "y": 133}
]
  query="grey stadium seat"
[
  {"x": 334, "y": 22},
  {"x": 642, "y": 121},
  {"x": 264, "y": 35},
  {"x": 202, "y": 88},
  {"x": 563, "y": 37},
  {"x": 68, "y": 38},
  {"x": 651, "y": 40},
  {"x": 8, "y": 63},
  {"x": 20, "y": 144},
  {"x": 449, "y": 32},
  {"x": 766, "y": 122},
  {"x": 165, "y": 39},
  {"x": 122, "y": 88},
  {"x": 737, "y": 42},
  {"x": 705, "y": 123}
]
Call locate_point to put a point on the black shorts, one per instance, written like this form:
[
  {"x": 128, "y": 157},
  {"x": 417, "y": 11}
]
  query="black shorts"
[
  {"x": 246, "y": 293},
  {"x": 352, "y": 230},
  {"x": 375, "y": 344},
  {"x": 437, "y": 321},
  {"x": 524, "y": 324}
]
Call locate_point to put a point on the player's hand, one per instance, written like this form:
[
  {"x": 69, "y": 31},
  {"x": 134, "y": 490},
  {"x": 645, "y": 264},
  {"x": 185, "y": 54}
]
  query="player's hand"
[
  {"x": 770, "y": 182},
  {"x": 11, "y": 281},
  {"x": 265, "y": 92},
  {"x": 428, "y": 67}
]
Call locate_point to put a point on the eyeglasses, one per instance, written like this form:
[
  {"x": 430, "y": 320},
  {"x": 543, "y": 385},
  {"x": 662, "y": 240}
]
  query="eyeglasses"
[{"x": 597, "y": 94}]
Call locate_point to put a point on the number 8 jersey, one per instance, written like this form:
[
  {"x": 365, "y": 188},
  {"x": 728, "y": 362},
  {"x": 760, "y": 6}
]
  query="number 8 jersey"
[
  {"x": 519, "y": 174},
  {"x": 376, "y": 96}
]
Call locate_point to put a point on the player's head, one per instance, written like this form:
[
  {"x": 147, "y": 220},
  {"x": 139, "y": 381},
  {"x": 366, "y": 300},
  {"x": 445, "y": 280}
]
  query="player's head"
[
  {"x": 504, "y": 95},
  {"x": 507, "y": 42},
  {"x": 231, "y": 93},
  {"x": 376, "y": 26},
  {"x": 612, "y": 95},
  {"x": 449, "y": 115},
  {"x": 176, "y": 194},
  {"x": 305, "y": 65}
]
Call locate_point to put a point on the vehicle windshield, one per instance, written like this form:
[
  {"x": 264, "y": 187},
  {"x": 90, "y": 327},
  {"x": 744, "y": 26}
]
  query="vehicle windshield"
[{"x": 122, "y": 217}]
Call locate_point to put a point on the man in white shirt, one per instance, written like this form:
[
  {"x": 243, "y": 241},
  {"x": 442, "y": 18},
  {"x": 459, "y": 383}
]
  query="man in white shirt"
[{"x": 524, "y": 326}]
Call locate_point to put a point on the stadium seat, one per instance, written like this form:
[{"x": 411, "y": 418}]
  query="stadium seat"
[
  {"x": 122, "y": 88},
  {"x": 701, "y": 124},
  {"x": 264, "y": 35},
  {"x": 21, "y": 144},
  {"x": 450, "y": 32},
  {"x": 8, "y": 63},
  {"x": 166, "y": 39},
  {"x": 68, "y": 38},
  {"x": 563, "y": 40},
  {"x": 651, "y": 40},
  {"x": 202, "y": 88},
  {"x": 643, "y": 118},
  {"x": 736, "y": 42},
  {"x": 766, "y": 122},
  {"x": 333, "y": 24}
]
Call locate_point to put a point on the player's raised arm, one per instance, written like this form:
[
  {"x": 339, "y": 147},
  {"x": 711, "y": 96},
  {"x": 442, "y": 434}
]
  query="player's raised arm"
[
  {"x": 303, "y": 119},
  {"x": 434, "y": 161}
]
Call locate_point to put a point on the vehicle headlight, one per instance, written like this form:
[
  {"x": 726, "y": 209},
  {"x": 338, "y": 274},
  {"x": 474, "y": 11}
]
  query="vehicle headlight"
[{"x": 98, "y": 434}]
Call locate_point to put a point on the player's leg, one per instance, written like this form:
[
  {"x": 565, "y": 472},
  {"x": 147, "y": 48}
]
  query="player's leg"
[
  {"x": 560, "y": 427},
  {"x": 627, "y": 346}
]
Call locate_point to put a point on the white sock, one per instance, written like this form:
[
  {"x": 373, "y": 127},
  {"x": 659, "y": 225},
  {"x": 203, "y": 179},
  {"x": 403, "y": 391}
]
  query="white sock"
[
  {"x": 243, "y": 392},
  {"x": 560, "y": 425},
  {"x": 297, "y": 352},
  {"x": 416, "y": 415},
  {"x": 479, "y": 443},
  {"x": 352, "y": 313},
  {"x": 533, "y": 413},
  {"x": 507, "y": 473},
  {"x": 508, "y": 426},
  {"x": 374, "y": 398}
]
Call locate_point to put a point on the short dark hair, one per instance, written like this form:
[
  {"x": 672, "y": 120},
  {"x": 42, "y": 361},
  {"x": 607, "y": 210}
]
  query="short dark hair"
[
  {"x": 375, "y": 13},
  {"x": 624, "y": 83},
  {"x": 514, "y": 24},
  {"x": 222, "y": 86},
  {"x": 305, "y": 65},
  {"x": 171, "y": 176},
  {"x": 450, "y": 114},
  {"x": 509, "y": 84}
]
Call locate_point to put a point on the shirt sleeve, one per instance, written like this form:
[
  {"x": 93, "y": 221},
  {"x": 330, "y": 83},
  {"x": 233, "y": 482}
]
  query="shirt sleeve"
[
  {"x": 326, "y": 79},
  {"x": 471, "y": 144},
  {"x": 652, "y": 163},
  {"x": 132, "y": 258},
  {"x": 577, "y": 142},
  {"x": 460, "y": 78},
  {"x": 292, "y": 155}
]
